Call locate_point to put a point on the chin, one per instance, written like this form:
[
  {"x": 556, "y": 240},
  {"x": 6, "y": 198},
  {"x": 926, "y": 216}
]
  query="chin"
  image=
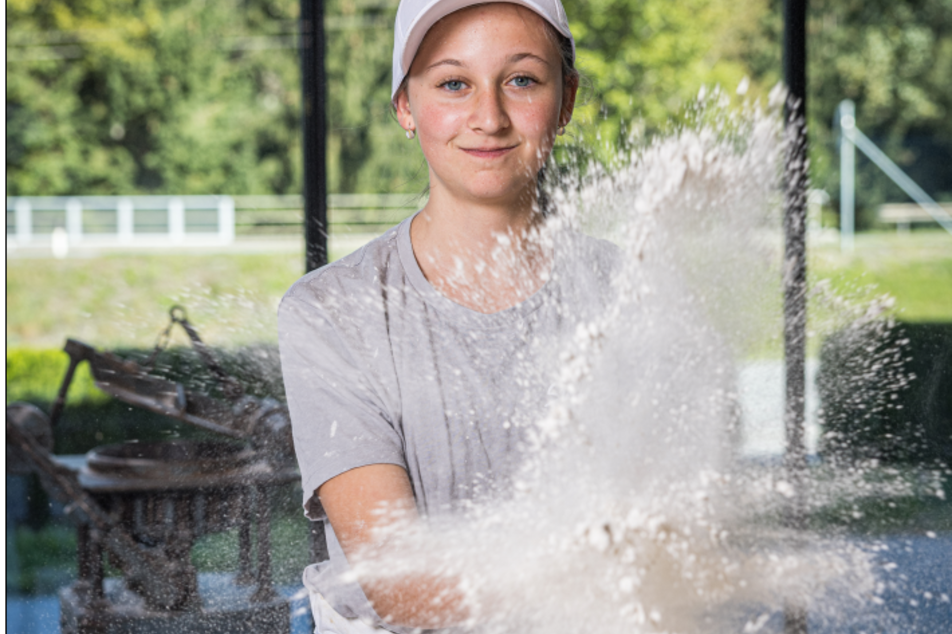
[
  {"x": 514, "y": 196},
  {"x": 497, "y": 191}
]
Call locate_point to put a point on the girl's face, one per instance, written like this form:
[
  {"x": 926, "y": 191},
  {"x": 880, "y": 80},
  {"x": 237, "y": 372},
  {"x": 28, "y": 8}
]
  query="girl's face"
[{"x": 485, "y": 96}]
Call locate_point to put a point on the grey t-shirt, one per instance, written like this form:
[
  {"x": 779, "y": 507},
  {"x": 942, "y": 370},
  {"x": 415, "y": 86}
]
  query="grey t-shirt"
[{"x": 380, "y": 368}]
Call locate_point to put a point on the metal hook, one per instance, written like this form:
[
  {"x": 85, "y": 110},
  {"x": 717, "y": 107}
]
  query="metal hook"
[{"x": 177, "y": 314}]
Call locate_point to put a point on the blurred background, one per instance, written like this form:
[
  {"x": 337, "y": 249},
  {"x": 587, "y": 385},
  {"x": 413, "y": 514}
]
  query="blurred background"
[{"x": 188, "y": 113}]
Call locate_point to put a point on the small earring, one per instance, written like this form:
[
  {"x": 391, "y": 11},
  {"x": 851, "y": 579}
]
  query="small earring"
[
  {"x": 560, "y": 130},
  {"x": 411, "y": 133}
]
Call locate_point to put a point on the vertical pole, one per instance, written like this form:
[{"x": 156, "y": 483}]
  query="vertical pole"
[
  {"x": 318, "y": 542},
  {"x": 846, "y": 112},
  {"x": 84, "y": 565},
  {"x": 264, "y": 591},
  {"x": 24, "y": 220},
  {"x": 125, "y": 221},
  {"x": 90, "y": 568},
  {"x": 97, "y": 576},
  {"x": 245, "y": 575},
  {"x": 796, "y": 174},
  {"x": 74, "y": 220},
  {"x": 226, "y": 219},
  {"x": 314, "y": 90},
  {"x": 176, "y": 220}
]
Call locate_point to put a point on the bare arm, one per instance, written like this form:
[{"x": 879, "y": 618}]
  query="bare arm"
[{"x": 351, "y": 501}]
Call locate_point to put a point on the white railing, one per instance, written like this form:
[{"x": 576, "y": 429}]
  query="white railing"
[
  {"x": 102, "y": 221},
  {"x": 69, "y": 224},
  {"x": 851, "y": 139}
]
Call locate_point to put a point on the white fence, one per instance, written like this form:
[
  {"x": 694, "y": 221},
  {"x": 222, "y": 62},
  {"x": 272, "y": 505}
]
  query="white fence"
[
  {"x": 851, "y": 139},
  {"x": 103, "y": 221},
  {"x": 36, "y": 223}
]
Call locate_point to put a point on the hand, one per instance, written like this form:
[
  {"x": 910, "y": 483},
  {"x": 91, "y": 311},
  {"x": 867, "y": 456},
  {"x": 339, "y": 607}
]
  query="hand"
[{"x": 361, "y": 502}]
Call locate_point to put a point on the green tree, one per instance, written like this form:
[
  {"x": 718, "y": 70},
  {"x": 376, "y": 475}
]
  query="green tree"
[
  {"x": 191, "y": 97},
  {"x": 368, "y": 148},
  {"x": 184, "y": 96},
  {"x": 894, "y": 59},
  {"x": 149, "y": 96},
  {"x": 646, "y": 60},
  {"x": 187, "y": 96}
]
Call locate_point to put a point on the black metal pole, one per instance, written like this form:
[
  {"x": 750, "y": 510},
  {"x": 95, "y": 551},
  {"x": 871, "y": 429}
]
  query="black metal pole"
[
  {"x": 265, "y": 591},
  {"x": 314, "y": 90},
  {"x": 795, "y": 275}
]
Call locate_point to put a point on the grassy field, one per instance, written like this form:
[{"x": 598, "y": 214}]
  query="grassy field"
[
  {"x": 40, "y": 561},
  {"x": 914, "y": 268},
  {"x": 123, "y": 300}
]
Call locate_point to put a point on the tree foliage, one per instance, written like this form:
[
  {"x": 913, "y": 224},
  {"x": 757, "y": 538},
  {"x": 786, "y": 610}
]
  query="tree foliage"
[
  {"x": 155, "y": 96},
  {"x": 894, "y": 60},
  {"x": 191, "y": 96},
  {"x": 187, "y": 96},
  {"x": 646, "y": 59}
]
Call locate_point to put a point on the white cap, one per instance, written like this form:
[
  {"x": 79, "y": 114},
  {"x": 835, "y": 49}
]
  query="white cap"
[{"x": 415, "y": 17}]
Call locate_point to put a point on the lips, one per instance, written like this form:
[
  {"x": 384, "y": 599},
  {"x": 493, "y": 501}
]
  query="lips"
[{"x": 489, "y": 153}]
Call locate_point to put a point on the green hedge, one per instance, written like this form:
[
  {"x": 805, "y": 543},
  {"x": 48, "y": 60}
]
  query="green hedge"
[
  {"x": 92, "y": 418},
  {"x": 887, "y": 394},
  {"x": 35, "y": 376},
  {"x": 256, "y": 367}
]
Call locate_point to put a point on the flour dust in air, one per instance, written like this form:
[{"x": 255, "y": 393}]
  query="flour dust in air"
[{"x": 633, "y": 510}]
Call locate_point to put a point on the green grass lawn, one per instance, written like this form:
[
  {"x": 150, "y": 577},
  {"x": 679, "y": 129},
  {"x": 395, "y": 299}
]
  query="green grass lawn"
[
  {"x": 39, "y": 561},
  {"x": 123, "y": 299},
  {"x": 914, "y": 268}
]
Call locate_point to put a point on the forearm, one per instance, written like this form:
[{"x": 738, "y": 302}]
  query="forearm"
[
  {"x": 370, "y": 508},
  {"x": 418, "y": 601}
]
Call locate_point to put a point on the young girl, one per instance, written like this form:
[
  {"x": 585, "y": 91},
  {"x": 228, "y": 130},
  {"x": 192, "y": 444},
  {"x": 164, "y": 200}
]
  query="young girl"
[{"x": 414, "y": 366}]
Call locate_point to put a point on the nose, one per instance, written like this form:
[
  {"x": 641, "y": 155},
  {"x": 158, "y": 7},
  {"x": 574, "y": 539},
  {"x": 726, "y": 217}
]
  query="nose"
[{"x": 489, "y": 112}]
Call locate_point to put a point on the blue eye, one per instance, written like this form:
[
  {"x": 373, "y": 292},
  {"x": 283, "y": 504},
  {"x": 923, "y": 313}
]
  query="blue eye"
[
  {"x": 453, "y": 85},
  {"x": 522, "y": 82}
]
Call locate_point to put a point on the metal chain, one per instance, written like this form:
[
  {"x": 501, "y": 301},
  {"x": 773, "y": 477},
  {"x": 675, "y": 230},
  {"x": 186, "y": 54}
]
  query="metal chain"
[
  {"x": 177, "y": 315},
  {"x": 162, "y": 340}
]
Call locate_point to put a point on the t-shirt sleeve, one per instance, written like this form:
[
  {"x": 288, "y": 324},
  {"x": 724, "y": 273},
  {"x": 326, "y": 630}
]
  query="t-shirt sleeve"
[{"x": 338, "y": 419}]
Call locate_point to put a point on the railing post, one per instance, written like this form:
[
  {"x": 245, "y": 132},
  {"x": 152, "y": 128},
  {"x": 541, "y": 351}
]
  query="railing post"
[
  {"x": 74, "y": 220},
  {"x": 226, "y": 219},
  {"x": 24, "y": 220},
  {"x": 176, "y": 220},
  {"x": 847, "y": 123},
  {"x": 906, "y": 184},
  {"x": 125, "y": 222}
]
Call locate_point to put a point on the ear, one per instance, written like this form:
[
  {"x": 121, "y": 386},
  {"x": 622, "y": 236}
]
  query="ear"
[
  {"x": 404, "y": 116},
  {"x": 568, "y": 100}
]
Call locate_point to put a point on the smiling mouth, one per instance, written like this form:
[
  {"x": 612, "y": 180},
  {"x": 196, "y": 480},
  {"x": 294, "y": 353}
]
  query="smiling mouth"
[{"x": 488, "y": 152}]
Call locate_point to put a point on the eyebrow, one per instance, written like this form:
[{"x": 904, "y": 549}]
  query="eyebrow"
[
  {"x": 512, "y": 59},
  {"x": 521, "y": 56},
  {"x": 445, "y": 62}
]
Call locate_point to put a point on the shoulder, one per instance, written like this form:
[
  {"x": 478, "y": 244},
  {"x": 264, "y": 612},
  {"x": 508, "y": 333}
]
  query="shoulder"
[
  {"x": 588, "y": 259},
  {"x": 357, "y": 277},
  {"x": 587, "y": 270},
  {"x": 603, "y": 256}
]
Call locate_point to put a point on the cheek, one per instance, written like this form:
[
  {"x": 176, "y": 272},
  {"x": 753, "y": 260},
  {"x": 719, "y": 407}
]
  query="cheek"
[
  {"x": 540, "y": 114},
  {"x": 438, "y": 123},
  {"x": 538, "y": 120}
]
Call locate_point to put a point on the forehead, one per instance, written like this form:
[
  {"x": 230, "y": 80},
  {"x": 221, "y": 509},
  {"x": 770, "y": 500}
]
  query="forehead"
[{"x": 499, "y": 26}]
